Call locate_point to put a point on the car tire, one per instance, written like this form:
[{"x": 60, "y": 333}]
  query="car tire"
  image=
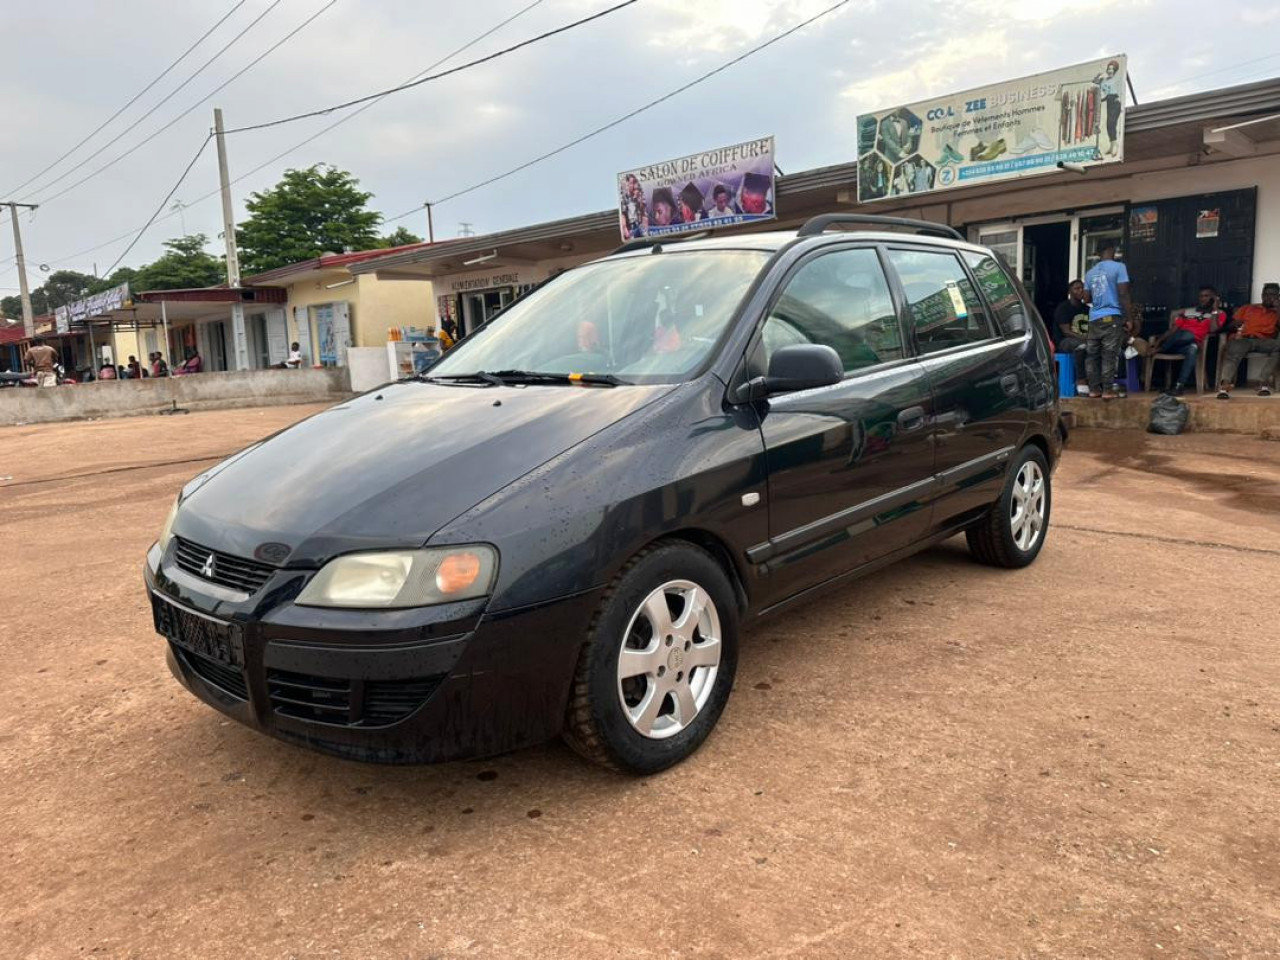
[
  {"x": 647, "y": 690},
  {"x": 1012, "y": 533}
]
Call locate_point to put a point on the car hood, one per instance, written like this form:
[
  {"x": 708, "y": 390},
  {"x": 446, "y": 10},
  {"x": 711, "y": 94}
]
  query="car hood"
[{"x": 391, "y": 467}]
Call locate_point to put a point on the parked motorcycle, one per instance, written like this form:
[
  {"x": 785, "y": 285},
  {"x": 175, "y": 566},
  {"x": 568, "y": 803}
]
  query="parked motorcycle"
[{"x": 21, "y": 378}]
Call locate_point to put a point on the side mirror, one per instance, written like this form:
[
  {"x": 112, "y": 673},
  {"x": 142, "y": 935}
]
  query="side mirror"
[
  {"x": 801, "y": 366},
  {"x": 1017, "y": 321}
]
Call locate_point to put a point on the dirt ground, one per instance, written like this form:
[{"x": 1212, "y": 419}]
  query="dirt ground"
[{"x": 1077, "y": 760}]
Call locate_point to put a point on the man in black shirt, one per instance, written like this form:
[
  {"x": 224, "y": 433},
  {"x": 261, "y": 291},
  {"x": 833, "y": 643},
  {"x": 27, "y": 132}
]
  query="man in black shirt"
[{"x": 1071, "y": 324}]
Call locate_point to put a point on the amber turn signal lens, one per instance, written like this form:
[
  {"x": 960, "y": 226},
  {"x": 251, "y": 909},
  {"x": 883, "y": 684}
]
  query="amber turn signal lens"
[{"x": 457, "y": 572}]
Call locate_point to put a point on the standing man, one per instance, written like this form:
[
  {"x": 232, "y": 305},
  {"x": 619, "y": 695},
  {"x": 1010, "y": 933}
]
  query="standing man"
[
  {"x": 1107, "y": 287},
  {"x": 1254, "y": 329},
  {"x": 1188, "y": 333},
  {"x": 41, "y": 358}
]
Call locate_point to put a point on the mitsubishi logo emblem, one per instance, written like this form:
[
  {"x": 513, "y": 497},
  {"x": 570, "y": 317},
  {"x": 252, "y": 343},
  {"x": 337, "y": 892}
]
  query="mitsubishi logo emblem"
[{"x": 206, "y": 571}]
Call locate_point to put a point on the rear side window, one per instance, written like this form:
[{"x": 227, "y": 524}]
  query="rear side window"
[
  {"x": 999, "y": 291},
  {"x": 842, "y": 300},
  {"x": 945, "y": 309}
]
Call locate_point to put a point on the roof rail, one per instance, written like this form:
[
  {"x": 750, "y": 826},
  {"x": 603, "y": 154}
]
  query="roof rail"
[{"x": 819, "y": 225}]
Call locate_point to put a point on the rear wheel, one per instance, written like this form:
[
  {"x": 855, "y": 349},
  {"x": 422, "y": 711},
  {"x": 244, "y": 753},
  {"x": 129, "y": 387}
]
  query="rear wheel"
[
  {"x": 659, "y": 661},
  {"x": 1012, "y": 533}
]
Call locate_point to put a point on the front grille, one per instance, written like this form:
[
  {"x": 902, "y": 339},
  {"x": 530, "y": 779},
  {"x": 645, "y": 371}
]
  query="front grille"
[
  {"x": 227, "y": 679},
  {"x": 347, "y": 703},
  {"x": 237, "y": 573}
]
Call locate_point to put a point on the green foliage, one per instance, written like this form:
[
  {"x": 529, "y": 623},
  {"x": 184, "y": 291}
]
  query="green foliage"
[
  {"x": 399, "y": 237},
  {"x": 185, "y": 263},
  {"x": 308, "y": 213}
]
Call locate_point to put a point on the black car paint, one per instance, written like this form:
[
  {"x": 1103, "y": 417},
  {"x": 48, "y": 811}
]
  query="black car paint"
[{"x": 569, "y": 482}]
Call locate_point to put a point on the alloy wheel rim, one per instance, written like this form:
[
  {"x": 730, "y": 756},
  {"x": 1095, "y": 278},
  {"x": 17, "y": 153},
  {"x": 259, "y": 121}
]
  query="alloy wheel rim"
[
  {"x": 1027, "y": 511},
  {"x": 669, "y": 659}
]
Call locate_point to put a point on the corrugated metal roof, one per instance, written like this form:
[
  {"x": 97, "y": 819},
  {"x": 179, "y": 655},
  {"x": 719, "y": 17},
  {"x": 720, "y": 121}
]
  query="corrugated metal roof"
[{"x": 1241, "y": 101}]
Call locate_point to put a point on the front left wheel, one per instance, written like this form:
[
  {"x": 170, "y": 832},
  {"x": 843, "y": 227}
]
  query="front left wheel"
[{"x": 659, "y": 661}]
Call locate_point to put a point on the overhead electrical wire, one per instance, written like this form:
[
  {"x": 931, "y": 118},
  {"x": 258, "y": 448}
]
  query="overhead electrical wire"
[
  {"x": 174, "y": 189},
  {"x": 437, "y": 76},
  {"x": 625, "y": 117},
  {"x": 350, "y": 116},
  {"x": 169, "y": 96},
  {"x": 136, "y": 97}
]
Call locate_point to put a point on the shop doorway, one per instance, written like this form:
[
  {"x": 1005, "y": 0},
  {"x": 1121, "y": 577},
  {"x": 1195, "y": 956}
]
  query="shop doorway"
[
  {"x": 482, "y": 306},
  {"x": 1046, "y": 270},
  {"x": 1049, "y": 252}
]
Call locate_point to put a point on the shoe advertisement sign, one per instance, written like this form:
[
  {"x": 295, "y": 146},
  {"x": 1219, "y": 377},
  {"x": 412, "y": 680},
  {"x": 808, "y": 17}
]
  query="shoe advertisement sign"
[
  {"x": 1016, "y": 129},
  {"x": 715, "y": 188}
]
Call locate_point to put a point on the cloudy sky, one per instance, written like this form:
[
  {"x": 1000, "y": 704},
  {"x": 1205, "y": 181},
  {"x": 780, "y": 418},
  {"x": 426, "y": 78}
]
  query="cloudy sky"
[{"x": 70, "y": 65}]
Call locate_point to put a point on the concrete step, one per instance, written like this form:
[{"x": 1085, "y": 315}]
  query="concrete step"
[{"x": 1244, "y": 413}]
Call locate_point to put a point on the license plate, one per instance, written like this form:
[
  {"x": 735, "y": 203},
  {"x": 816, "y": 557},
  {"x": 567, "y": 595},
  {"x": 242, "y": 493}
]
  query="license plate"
[{"x": 199, "y": 634}]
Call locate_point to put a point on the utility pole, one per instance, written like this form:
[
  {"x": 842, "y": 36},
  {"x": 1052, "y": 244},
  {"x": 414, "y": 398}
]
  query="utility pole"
[
  {"x": 233, "y": 258},
  {"x": 28, "y": 317},
  {"x": 431, "y": 230}
]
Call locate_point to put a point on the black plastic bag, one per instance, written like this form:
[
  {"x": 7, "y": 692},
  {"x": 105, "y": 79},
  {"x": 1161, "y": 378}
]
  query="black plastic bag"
[{"x": 1169, "y": 415}]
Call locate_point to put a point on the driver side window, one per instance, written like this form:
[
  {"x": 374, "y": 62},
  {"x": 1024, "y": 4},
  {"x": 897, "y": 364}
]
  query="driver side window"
[{"x": 841, "y": 300}]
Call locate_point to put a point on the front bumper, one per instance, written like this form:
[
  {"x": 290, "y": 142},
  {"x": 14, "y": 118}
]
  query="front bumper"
[{"x": 423, "y": 686}]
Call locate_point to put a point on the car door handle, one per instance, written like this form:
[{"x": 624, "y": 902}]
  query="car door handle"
[
  {"x": 1009, "y": 383},
  {"x": 911, "y": 418}
]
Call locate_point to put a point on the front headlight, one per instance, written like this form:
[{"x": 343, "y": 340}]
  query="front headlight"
[
  {"x": 403, "y": 578},
  {"x": 166, "y": 532}
]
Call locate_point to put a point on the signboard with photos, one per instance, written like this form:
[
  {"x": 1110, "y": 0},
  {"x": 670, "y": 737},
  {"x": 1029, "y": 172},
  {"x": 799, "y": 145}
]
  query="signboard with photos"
[
  {"x": 715, "y": 188},
  {"x": 114, "y": 298},
  {"x": 1015, "y": 129}
]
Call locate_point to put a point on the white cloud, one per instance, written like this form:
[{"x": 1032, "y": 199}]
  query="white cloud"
[{"x": 1257, "y": 16}]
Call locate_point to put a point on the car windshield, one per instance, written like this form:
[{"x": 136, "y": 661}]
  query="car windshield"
[{"x": 644, "y": 319}]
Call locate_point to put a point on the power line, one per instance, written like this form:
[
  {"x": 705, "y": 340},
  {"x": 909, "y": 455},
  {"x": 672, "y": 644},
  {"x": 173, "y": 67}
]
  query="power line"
[
  {"x": 445, "y": 73},
  {"x": 1210, "y": 73},
  {"x": 204, "y": 143},
  {"x": 136, "y": 97},
  {"x": 205, "y": 99},
  {"x": 350, "y": 116},
  {"x": 154, "y": 108},
  {"x": 634, "y": 113}
]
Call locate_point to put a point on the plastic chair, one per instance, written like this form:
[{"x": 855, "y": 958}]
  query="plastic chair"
[
  {"x": 1201, "y": 357},
  {"x": 1066, "y": 374}
]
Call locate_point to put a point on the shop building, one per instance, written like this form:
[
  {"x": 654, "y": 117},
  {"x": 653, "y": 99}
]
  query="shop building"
[
  {"x": 327, "y": 308},
  {"x": 1196, "y": 200}
]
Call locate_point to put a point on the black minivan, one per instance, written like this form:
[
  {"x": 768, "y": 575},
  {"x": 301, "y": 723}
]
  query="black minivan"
[{"x": 561, "y": 527}]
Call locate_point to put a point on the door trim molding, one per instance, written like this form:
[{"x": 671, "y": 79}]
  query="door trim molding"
[
  {"x": 922, "y": 490},
  {"x": 850, "y": 516}
]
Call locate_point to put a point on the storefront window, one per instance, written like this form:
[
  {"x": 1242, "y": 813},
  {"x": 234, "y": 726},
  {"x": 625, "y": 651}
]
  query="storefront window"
[{"x": 1093, "y": 230}]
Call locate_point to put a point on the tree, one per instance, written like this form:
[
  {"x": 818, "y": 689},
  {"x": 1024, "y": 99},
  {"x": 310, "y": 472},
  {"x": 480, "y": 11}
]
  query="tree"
[
  {"x": 121, "y": 275},
  {"x": 185, "y": 263},
  {"x": 399, "y": 237},
  {"x": 59, "y": 288},
  {"x": 309, "y": 212}
]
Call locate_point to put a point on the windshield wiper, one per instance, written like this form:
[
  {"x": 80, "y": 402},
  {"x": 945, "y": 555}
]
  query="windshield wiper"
[
  {"x": 480, "y": 376},
  {"x": 530, "y": 376}
]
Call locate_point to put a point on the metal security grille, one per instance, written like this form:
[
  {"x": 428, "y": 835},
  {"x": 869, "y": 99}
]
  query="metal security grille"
[
  {"x": 223, "y": 569},
  {"x": 227, "y": 679},
  {"x": 344, "y": 702}
]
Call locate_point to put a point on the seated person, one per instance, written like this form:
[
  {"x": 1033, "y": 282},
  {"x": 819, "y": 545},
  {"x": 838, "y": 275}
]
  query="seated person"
[
  {"x": 1071, "y": 325},
  {"x": 1187, "y": 334},
  {"x": 1254, "y": 329}
]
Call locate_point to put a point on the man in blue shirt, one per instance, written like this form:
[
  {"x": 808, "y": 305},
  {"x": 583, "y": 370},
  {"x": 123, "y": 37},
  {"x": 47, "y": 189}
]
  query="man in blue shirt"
[{"x": 1107, "y": 289}]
